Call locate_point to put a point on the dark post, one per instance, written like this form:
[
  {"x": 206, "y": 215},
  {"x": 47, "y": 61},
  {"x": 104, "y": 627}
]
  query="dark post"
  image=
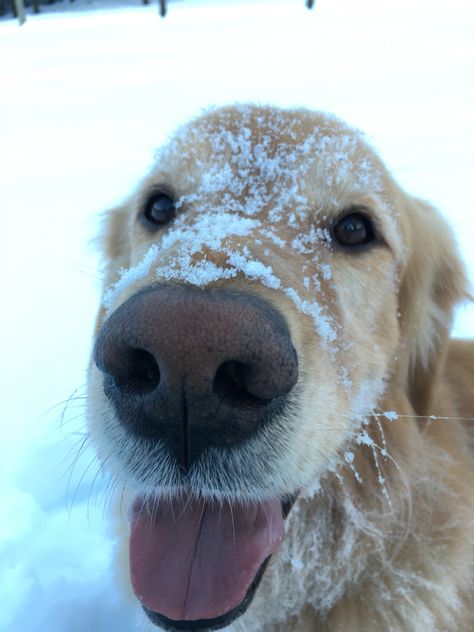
[
  {"x": 162, "y": 4},
  {"x": 19, "y": 10}
]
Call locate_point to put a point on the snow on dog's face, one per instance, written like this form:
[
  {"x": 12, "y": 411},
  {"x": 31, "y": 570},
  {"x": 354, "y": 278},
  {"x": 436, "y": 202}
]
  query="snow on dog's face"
[{"x": 249, "y": 324}]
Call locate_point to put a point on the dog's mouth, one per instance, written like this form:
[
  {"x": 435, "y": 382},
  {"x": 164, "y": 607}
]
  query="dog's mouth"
[{"x": 196, "y": 564}]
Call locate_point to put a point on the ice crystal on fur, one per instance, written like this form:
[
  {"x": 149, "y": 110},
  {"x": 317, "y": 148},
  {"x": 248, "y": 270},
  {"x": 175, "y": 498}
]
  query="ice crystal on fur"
[
  {"x": 349, "y": 457},
  {"x": 252, "y": 186},
  {"x": 131, "y": 276}
]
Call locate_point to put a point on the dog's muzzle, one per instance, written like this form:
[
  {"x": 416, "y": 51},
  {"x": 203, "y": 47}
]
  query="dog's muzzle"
[{"x": 195, "y": 368}]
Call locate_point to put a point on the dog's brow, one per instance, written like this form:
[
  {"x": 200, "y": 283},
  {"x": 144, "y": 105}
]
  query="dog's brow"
[
  {"x": 251, "y": 180},
  {"x": 267, "y": 160}
]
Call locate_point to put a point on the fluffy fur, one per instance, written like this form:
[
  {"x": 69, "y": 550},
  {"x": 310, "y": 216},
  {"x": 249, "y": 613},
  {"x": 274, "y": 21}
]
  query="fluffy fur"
[{"x": 379, "y": 438}]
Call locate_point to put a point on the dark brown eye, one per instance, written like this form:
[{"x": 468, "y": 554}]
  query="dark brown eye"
[
  {"x": 355, "y": 229},
  {"x": 160, "y": 209}
]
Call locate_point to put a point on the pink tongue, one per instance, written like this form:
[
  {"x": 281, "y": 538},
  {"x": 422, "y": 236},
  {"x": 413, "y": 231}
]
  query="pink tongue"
[{"x": 192, "y": 559}]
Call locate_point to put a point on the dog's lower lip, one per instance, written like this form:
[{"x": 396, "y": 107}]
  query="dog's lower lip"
[{"x": 210, "y": 624}]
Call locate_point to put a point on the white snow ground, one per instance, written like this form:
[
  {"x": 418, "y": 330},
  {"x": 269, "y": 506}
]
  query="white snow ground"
[{"x": 86, "y": 96}]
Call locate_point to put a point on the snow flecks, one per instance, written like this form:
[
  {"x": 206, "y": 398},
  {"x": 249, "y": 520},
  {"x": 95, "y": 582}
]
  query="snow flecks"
[
  {"x": 305, "y": 243},
  {"x": 326, "y": 271},
  {"x": 297, "y": 564},
  {"x": 200, "y": 273},
  {"x": 383, "y": 449},
  {"x": 391, "y": 415},
  {"x": 345, "y": 379},
  {"x": 360, "y": 436},
  {"x": 349, "y": 457},
  {"x": 365, "y": 399},
  {"x": 253, "y": 270},
  {"x": 317, "y": 283},
  {"x": 248, "y": 178},
  {"x": 364, "y": 439},
  {"x": 131, "y": 276},
  {"x": 273, "y": 236},
  {"x": 323, "y": 324},
  {"x": 208, "y": 231},
  {"x": 257, "y": 164}
]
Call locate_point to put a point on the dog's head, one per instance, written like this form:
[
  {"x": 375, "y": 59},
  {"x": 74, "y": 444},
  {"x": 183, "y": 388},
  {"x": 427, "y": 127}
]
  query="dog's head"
[{"x": 267, "y": 287}]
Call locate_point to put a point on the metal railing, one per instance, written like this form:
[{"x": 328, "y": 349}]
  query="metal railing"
[{"x": 18, "y": 7}]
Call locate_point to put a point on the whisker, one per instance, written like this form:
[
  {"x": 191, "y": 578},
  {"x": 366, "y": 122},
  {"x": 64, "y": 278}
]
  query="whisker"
[
  {"x": 100, "y": 472},
  {"x": 380, "y": 477},
  {"x": 186, "y": 505},
  {"x": 347, "y": 457},
  {"x": 65, "y": 402},
  {"x": 77, "y": 449},
  {"x": 81, "y": 428},
  {"x": 121, "y": 502},
  {"x": 394, "y": 416},
  {"x": 383, "y": 451},
  {"x": 203, "y": 509},
  {"x": 91, "y": 463},
  {"x": 87, "y": 270},
  {"x": 233, "y": 523},
  {"x": 109, "y": 492}
]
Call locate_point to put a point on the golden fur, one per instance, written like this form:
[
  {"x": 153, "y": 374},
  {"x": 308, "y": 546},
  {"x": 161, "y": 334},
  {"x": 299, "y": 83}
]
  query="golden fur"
[{"x": 382, "y": 534}]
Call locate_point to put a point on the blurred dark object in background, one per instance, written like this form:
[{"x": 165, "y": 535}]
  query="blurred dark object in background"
[{"x": 16, "y": 8}]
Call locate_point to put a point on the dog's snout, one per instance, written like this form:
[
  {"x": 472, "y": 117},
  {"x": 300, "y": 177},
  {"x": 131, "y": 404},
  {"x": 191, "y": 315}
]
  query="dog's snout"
[{"x": 196, "y": 368}]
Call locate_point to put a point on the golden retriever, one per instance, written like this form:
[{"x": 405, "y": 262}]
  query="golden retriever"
[{"x": 274, "y": 391}]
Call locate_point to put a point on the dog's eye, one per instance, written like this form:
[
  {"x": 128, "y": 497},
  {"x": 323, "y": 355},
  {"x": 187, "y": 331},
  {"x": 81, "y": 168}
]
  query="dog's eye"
[
  {"x": 355, "y": 229},
  {"x": 160, "y": 209}
]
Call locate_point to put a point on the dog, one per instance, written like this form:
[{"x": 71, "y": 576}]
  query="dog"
[{"x": 273, "y": 389}]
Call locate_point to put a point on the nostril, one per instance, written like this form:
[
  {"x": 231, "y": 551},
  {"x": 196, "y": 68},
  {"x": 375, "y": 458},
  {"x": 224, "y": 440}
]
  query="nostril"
[
  {"x": 230, "y": 386},
  {"x": 139, "y": 372}
]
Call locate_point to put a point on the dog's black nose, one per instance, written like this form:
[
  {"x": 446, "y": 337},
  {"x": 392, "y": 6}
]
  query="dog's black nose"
[{"x": 196, "y": 368}]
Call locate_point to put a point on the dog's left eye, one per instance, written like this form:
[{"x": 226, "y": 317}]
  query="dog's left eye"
[
  {"x": 159, "y": 210},
  {"x": 355, "y": 229}
]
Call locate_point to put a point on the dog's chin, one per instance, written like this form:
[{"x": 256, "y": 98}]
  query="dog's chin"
[{"x": 217, "y": 623}]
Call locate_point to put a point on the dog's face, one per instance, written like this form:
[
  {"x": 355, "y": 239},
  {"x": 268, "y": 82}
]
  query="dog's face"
[{"x": 254, "y": 315}]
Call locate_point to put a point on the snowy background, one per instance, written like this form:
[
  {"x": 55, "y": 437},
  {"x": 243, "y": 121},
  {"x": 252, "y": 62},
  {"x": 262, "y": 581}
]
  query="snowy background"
[{"x": 86, "y": 96}]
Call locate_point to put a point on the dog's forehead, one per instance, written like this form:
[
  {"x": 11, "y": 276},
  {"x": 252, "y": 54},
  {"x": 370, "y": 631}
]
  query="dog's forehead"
[
  {"x": 255, "y": 158},
  {"x": 248, "y": 183}
]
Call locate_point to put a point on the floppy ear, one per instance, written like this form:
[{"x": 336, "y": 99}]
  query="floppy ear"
[
  {"x": 432, "y": 283},
  {"x": 114, "y": 244}
]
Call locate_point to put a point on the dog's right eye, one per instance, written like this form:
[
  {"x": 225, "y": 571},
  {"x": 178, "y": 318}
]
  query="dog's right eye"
[
  {"x": 159, "y": 210},
  {"x": 354, "y": 230}
]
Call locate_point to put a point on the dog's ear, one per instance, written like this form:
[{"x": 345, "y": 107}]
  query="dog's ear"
[
  {"x": 432, "y": 282},
  {"x": 114, "y": 245}
]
